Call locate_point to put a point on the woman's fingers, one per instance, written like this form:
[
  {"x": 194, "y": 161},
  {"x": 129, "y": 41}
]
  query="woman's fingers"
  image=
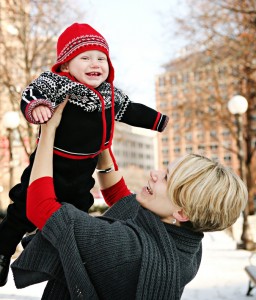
[
  {"x": 58, "y": 112},
  {"x": 63, "y": 104}
]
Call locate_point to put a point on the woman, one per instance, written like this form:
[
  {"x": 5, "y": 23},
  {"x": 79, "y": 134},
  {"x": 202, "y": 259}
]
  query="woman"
[{"x": 146, "y": 246}]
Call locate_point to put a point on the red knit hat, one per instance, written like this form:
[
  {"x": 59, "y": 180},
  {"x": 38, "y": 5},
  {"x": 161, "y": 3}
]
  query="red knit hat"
[{"x": 79, "y": 38}]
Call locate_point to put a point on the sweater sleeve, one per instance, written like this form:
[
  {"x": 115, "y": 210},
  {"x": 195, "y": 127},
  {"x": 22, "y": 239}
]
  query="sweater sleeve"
[
  {"x": 105, "y": 248},
  {"x": 139, "y": 115},
  {"x": 116, "y": 192},
  {"x": 34, "y": 96},
  {"x": 41, "y": 201}
]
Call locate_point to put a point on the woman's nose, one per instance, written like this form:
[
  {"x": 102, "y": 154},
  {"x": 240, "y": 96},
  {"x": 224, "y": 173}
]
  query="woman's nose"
[{"x": 153, "y": 175}]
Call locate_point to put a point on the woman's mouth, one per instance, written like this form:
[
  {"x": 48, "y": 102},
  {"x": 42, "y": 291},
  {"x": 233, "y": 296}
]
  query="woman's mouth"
[{"x": 149, "y": 190}]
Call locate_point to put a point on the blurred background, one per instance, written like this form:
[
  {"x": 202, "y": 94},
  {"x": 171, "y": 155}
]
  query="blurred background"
[{"x": 192, "y": 60}]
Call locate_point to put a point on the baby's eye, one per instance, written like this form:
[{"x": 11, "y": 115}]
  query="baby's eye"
[
  {"x": 85, "y": 58},
  {"x": 102, "y": 58},
  {"x": 165, "y": 177}
]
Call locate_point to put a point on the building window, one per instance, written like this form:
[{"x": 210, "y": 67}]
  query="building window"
[
  {"x": 188, "y": 124},
  {"x": 175, "y": 103},
  {"x": 185, "y": 91},
  {"x": 161, "y": 81},
  {"x": 176, "y": 150},
  {"x": 226, "y": 132},
  {"x": 227, "y": 158},
  {"x": 198, "y": 76},
  {"x": 176, "y": 126},
  {"x": 165, "y": 150},
  {"x": 198, "y": 89},
  {"x": 214, "y": 147},
  {"x": 165, "y": 162},
  {"x": 164, "y": 139},
  {"x": 213, "y": 133},
  {"x": 200, "y": 135},
  {"x": 214, "y": 158},
  {"x": 185, "y": 77},
  {"x": 222, "y": 71},
  {"x": 188, "y": 136},
  {"x": 189, "y": 149},
  {"x": 175, "y": 115},
  {"x": 163, "y": 104},
  {"x": 173, "y": 80},
  {"x": 174, "y": 93},
  {"x": 201, "y": 147},
  {"x": 176, "y": 138},
  {"x": 253, "y": 117},
  {"x": 187, "y": 113}
]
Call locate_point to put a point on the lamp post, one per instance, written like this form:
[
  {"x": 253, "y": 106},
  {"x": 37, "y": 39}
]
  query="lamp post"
[
  {"x": 237, "y": 106},
  {"x": 11, "y": 121}
]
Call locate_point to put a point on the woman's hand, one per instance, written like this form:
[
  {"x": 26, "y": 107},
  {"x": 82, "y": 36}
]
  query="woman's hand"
[
  {"x": 104, "y": 160},
  {"x": 54, "y": 122},
  {"x": 109, "y": 178},
  {"x": 43, "y": 165}
]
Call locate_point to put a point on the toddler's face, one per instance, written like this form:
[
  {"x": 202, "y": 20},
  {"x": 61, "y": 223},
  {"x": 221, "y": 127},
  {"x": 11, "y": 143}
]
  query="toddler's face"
[{"x": 90, "y": 67}]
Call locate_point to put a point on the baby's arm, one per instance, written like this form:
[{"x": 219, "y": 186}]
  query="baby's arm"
[
  {"x": 36, "y": 105},
  {"x": 137, "y": 114}
]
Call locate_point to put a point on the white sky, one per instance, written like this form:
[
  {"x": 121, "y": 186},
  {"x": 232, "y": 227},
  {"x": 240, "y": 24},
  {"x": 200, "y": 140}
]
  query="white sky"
[{"x": 137, "y": 36}]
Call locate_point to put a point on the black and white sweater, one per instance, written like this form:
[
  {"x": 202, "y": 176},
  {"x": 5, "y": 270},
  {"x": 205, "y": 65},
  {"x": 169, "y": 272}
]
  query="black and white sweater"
[{"x": 86, "y": 127}]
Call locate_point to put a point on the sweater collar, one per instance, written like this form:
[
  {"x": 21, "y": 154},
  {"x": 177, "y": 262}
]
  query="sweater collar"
[{"x": 188, "y": 239}]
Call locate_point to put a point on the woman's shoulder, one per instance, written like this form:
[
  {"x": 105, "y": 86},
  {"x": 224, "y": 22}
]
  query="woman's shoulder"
[{"x": 125, "y": 208}]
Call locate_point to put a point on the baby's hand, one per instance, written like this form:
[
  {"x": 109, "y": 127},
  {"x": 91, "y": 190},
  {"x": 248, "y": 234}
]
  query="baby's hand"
[{"x": 41, "y": 114}]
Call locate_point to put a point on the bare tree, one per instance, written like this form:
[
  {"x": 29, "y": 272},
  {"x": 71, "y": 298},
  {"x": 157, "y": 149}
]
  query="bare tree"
[
  {"x": 221, "y": 37},
  {"x": 28, "y": 46}
]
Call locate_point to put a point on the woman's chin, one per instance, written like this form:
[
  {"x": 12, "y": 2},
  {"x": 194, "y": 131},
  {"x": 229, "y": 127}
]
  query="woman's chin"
[{"x": 143, "y": 196}]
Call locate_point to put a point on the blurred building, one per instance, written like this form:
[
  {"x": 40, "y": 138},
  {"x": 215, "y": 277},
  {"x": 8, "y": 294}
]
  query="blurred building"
[
  {"x": 134, "y": 146},
  {"x": 194, "y": 93}
]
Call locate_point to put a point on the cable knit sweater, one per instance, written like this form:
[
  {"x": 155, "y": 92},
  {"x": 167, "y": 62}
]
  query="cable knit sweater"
[{"x": 129, "y": 253}]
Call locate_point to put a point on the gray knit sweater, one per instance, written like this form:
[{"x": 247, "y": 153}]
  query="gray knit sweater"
[{"x": 126, "y": 254}]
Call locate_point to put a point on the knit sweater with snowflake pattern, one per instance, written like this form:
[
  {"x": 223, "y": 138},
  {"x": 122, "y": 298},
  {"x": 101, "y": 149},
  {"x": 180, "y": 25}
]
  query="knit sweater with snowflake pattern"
[{"x": 86, "y": 127}]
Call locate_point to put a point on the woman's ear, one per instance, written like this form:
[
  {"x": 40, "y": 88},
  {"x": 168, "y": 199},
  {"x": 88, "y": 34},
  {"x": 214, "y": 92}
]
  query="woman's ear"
[
  {"x": 64, "y": 67},
  {"x": 180, "y": 216}
]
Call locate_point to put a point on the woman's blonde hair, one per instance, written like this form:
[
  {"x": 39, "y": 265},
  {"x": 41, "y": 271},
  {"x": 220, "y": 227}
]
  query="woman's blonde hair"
[{"x": 211, "y": 195}]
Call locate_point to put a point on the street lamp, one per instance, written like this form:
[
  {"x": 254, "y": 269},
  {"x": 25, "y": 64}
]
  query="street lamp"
[
  {"x": 237, "y": 106},
  {"x": 11, "y": 121}
]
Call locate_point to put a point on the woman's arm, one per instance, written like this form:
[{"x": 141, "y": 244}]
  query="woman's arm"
[
  {"x": 43, "y": 163},
  {"x": 111, "y": 182},
  {"x": 106, "y": 174},
  {"x": 41, "y": 198}
]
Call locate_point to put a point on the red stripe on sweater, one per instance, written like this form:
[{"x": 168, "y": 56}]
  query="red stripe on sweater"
[{"x": 156, "y": 121}]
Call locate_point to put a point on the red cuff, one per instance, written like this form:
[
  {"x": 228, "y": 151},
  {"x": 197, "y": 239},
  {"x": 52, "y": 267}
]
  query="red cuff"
[
  {"x": 41, "y": 201},
  {"x": 116, "y": 192},
  {"x": 33, "y": 104}
]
